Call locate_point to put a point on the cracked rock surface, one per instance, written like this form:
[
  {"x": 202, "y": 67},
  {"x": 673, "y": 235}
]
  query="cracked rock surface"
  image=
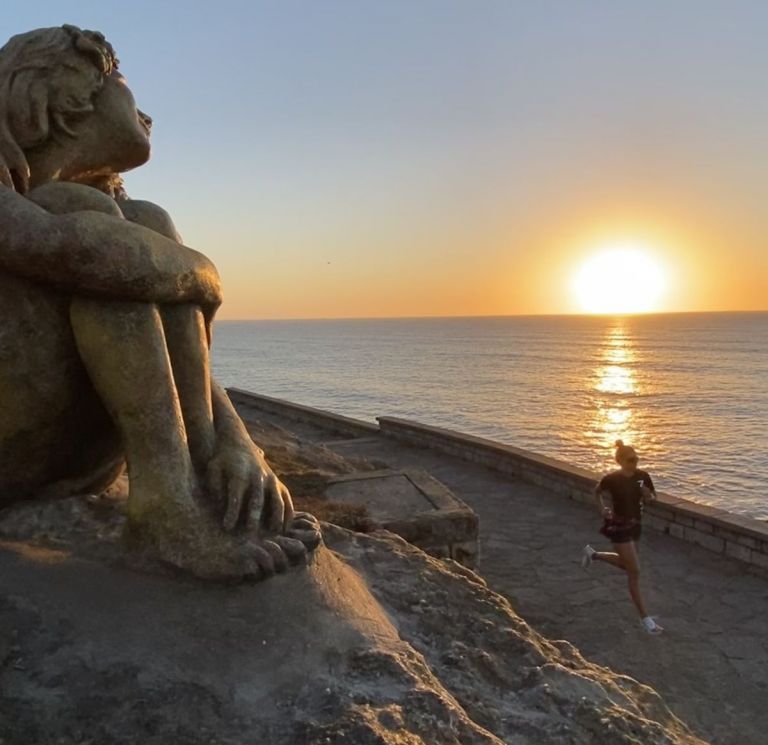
[{"x": 373, "y": 642}]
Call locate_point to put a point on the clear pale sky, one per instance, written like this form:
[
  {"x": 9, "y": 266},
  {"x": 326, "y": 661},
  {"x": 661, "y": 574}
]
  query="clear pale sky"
[{"x": 449, "y": 158}]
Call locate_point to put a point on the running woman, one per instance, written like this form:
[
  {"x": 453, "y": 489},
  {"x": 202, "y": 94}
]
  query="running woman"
[{"x": 628, "y": 487}]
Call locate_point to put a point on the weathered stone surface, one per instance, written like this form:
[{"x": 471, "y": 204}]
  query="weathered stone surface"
[{"x": 373, "y": 642}]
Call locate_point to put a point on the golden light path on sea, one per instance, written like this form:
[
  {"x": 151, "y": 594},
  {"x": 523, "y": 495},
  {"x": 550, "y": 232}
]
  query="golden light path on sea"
[{"x": 614, "y": 383}]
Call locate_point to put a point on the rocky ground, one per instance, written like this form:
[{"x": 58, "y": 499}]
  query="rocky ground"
[{"x": 374, "y": 642}]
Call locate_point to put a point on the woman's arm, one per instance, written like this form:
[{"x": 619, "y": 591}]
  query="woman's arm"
[
  {"x": 599, "y": 492},
  {"x": 94, "y": 254}
]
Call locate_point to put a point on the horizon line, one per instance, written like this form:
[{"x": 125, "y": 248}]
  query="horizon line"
[{"x": 497, "y": 315}]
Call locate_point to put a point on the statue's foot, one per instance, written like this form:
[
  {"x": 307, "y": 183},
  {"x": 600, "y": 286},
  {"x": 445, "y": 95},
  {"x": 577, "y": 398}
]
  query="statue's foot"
[{"x": 189, "y": 540}]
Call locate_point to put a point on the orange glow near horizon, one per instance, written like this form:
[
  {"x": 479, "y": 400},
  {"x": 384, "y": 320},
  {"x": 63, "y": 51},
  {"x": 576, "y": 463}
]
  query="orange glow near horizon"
[
  {"x": 620, "y": 278},
  {"x": 575, "y": 266}
]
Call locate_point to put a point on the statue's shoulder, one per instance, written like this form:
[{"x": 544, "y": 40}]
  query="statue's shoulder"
[{"x": 151, "y": 216}]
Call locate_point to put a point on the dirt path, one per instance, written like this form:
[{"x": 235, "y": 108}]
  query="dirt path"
[{"x": 711, "y": 665}]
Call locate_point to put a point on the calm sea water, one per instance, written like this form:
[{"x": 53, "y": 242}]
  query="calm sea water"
[{"x": 689, "y": 391}]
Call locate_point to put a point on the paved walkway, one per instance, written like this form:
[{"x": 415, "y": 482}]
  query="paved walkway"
[{"x": 711, "y": 665}]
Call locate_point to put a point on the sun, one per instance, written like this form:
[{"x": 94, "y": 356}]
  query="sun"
[{"x": 620, "y": 278}]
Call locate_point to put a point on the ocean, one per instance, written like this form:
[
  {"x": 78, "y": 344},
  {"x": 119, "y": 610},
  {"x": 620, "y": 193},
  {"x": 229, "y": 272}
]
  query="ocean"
[{"x": 689, "y": 391}]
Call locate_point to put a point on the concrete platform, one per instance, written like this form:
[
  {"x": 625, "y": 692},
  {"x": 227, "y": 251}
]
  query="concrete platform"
[{"x": 415, "y": 506}]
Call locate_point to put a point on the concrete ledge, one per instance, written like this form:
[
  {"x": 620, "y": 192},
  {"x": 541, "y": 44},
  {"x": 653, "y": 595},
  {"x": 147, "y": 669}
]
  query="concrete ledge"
[
  {"x": 342, "y": 425},
  {"x": 717, "y": 530},
  {"x": 415, "y": 506}
]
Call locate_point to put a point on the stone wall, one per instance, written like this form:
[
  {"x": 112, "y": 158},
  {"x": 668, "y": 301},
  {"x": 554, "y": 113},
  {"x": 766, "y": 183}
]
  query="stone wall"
[
  {"x": 342, "y": 425},
  {"x": 737, "y": 536}
]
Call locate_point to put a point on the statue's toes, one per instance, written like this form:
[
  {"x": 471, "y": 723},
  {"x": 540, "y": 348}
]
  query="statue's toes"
[
  {"x": 279, "y": 558},
  {"x": 310, "y": 538},
  {"x": 258, "y": 562},
  {"x": 301, "y": 523},
  {"x": 294, "y": 549},
  {"x": 306, "y": 516},
  {"x": 305, "y": 528}
]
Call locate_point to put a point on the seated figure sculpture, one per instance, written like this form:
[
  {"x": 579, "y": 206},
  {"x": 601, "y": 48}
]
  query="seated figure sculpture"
[{"x": 106, "y": 328}]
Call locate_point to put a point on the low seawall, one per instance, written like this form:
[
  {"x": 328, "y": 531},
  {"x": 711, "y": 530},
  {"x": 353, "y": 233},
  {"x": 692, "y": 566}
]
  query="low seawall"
[
  {"x": 717, "y": 530},
  {"x": 342, "y": 425}
]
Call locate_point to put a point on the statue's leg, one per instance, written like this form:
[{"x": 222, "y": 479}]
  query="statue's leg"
[
  {"x": 187, "y": 341},
  {"x": 122, "y": 345},
  {"x": 187, "y": 344},
  {"x": 56, "y": 439}
]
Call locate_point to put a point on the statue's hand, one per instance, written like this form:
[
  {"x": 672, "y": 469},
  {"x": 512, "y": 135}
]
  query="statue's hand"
[{"x": 241, "y": 478}]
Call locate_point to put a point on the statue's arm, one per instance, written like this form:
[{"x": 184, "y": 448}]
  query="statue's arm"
[
  {"x": 99, "y": 255},
  {"x": 226, "y": 420}
]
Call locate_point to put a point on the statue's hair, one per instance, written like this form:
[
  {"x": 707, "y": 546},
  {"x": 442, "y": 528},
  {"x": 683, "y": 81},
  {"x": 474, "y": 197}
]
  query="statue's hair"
[{"x": 48, "y": 78}]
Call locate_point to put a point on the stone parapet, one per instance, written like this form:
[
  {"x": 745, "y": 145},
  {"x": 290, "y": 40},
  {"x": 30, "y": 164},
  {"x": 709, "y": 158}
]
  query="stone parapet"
[
  {"x": 736, "y": 536},
  {"x": 336, "y": 423}
]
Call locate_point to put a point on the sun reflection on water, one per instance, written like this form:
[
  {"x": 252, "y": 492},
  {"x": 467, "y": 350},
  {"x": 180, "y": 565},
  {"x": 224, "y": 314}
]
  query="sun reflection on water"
[
  {"x": 615, "y": 379},
  {"x": 615, "y": 384}
]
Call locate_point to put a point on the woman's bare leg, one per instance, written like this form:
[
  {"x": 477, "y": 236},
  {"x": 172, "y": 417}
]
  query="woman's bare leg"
[
  {"x": 609, "y": 558},
  {"x": 626, "y": 559},
  {"x": 631, "y": 565}
]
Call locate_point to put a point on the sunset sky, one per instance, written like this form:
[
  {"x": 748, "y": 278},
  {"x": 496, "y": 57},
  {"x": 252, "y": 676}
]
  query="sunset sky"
[{"x": 450, "y": 158}]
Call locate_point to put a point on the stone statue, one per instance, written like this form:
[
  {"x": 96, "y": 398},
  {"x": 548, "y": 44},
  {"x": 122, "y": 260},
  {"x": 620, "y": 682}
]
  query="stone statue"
[{"x": 106, "y": 328}]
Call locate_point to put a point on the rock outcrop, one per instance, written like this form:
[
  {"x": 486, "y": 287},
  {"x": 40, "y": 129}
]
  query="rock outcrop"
[{"x": 373, "y": 642}]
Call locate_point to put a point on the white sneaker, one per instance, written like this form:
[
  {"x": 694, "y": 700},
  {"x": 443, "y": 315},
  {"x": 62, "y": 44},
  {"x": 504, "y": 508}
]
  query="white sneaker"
[
  {"x": 586, "y": 556},
  {"x": 650, "y": 625}
]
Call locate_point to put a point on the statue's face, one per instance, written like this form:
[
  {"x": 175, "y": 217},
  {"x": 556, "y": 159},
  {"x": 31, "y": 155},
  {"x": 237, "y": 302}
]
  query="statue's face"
[{"x": 115, "y": 136}]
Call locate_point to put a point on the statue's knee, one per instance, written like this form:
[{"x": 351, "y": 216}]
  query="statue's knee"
[{"x": 150, "y": 216}]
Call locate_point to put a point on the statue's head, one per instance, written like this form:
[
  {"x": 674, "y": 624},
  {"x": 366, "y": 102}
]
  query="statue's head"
[{"x": 66, "y": 112}]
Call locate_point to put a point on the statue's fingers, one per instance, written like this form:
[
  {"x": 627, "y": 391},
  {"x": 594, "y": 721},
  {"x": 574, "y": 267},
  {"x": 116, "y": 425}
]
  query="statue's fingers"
[
  {"x": 14, "y": 172},
  {"x": 288, "y": 511},
  {"x": 236, "y": 489},
  {"x": 274, "y": 512},
  {"x": 301, "y": 523},
  {"x": 306, "y": 516},
  {"x": 20, "y": 180},
  {"x": 215, "y": 479},
  {"x": 209, "y": 331},
  {"x": 255, "y": 501},
  {"x": 5, "y": 176}
]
